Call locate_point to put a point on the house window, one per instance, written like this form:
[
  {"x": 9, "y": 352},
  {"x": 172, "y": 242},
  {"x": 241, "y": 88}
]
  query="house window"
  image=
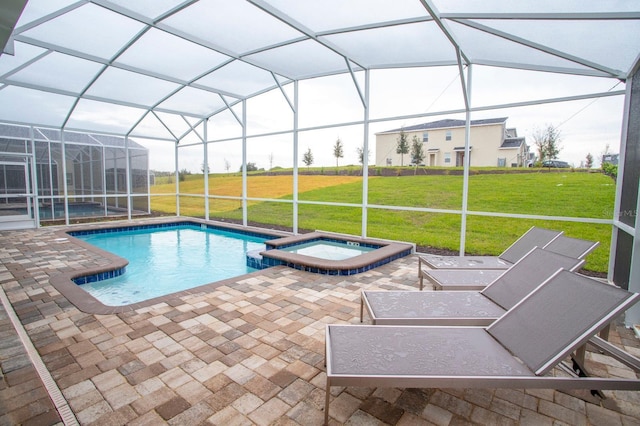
[
  {"x": 447, "y": 158},
  {"x": 448, "y": 135},
  {"x": 425, "y": 137},
  {"x": 388, "y": 161}
]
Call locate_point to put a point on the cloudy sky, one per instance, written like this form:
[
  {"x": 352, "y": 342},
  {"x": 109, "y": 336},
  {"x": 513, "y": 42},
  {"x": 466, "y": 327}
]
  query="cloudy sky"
[{"x": 586, "y": 126}]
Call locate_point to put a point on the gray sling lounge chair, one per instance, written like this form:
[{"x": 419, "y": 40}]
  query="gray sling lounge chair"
[
  {"x": 520, "y": 350},
  {"x": 466, "y": 307},
  {"x": 534, "y": 237},
  {"x": 572, "y": 247},
  {"x": 477, "y": 279}
]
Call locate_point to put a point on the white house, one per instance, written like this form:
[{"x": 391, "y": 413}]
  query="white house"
[{"x": 491, "y": 144}]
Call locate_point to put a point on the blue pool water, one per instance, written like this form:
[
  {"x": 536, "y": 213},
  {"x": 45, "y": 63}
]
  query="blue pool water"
[{"x": 164, "y": 261}]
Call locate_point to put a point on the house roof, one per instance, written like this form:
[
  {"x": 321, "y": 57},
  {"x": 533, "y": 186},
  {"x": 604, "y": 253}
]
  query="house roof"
[
  {"x": 447, "y": 123},
  {"x": 512, "y": 143}
]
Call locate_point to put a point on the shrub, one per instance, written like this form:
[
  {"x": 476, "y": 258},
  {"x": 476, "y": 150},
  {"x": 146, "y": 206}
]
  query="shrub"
[
  {"x": 251, "y": 167},
  {"x": 610, "y": 170}
]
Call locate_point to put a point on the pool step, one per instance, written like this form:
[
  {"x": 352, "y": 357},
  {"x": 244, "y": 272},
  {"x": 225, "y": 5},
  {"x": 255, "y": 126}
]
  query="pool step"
[{"x": 255, "y": 260}]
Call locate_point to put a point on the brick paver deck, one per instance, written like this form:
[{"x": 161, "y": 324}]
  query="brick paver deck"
[{"x": 250, "y": 352}]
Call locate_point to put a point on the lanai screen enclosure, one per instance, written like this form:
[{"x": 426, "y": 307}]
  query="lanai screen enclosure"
[{"x": 209, "y": 86}]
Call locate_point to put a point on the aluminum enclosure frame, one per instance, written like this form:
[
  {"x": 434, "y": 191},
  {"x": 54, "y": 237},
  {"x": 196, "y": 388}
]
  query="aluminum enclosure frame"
[{"x": 332, "y": 38}]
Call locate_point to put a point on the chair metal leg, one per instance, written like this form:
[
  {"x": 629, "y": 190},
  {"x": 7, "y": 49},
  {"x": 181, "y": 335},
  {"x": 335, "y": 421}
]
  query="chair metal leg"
[
  {"x": 579, "y": 367},
  {"x": 326, "y": 403}
]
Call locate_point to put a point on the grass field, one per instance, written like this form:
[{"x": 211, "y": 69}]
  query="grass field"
[{"x": 563, "y": 194}]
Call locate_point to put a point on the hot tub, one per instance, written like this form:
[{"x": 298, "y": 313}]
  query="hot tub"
[{"x": 329, "y": 254}]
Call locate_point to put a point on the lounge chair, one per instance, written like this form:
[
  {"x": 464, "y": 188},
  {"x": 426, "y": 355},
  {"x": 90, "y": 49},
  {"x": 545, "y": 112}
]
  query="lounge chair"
[
  {"x": 466, "y": 307},
  {"x": 477, "y": 279},
  {"x": 519, "y": 350},
  {"x": 534, "y": 237},
  {"x": 572, "y": 247}
]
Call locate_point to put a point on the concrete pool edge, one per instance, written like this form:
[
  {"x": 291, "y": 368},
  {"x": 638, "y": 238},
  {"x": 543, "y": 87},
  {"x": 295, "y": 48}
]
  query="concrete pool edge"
[
  {"x": 387, "y": 252},
  {"x": 85, "y": 302},
  {"x": 88, "y": 304}
]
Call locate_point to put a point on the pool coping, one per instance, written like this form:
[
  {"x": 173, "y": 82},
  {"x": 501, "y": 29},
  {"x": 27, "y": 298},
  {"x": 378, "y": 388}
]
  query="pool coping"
[
  {"x": 85, "y": 302},
  {"x": 387, "y": 252}
]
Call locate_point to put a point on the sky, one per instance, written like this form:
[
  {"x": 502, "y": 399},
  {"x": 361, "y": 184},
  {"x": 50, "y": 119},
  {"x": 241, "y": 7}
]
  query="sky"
[{"x": 588, "y": 126}]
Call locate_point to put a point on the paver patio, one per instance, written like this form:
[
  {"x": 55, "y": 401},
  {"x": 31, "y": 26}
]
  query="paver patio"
[{"x": 248, "y": 352}]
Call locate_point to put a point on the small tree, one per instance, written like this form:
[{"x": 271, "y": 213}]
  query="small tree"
[
  {"x": 271, "y": 161},
  {"x": 606, "y": 151},
  {"x": 182, "y": 175},
  {"x": 547, "y": 141},
  {"x": 417, "y": 152},
  {"x": 307, "y": 158},
  {"x": 402, "y": 146},
  {"x": 361, "y": 154},
  {"x": 338, "y": 150},
  {"x": 589, "y": 161},
  {"x": 227, "y": 165}
]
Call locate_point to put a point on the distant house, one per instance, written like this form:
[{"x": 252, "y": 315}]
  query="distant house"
[
  {"x": 491, "y": 144},
  {"x": 610, "y": 159}
]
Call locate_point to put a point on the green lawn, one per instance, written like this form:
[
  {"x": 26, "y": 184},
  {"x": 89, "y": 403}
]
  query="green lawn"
[{"x": 563, "y": 194}]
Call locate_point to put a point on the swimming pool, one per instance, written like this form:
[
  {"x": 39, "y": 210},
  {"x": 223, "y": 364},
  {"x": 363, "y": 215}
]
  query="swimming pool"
[
  {"x": 167, "y": 260},
  {"x": 78, "y": 210},
  {"x": 116, "y": 289}
]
